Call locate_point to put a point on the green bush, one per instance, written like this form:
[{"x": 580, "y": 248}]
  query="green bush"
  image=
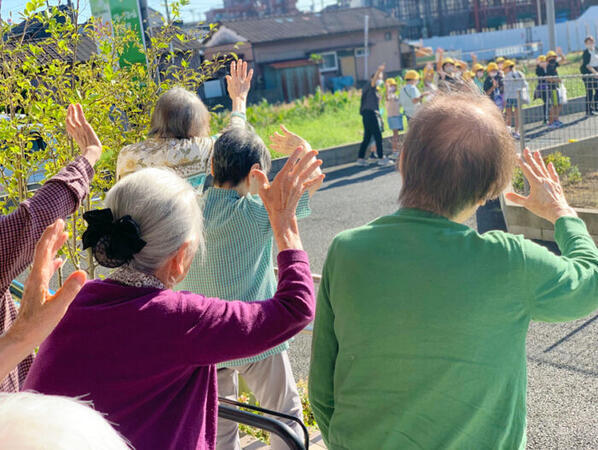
[
  {"x": 568, "y": 173},
  {"x": 117, "y": 99}
]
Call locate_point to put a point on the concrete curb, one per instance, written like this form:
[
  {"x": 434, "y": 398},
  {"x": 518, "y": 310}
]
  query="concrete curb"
[{"x": 333, "y": 156}]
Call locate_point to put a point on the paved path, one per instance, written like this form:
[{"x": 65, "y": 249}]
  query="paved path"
[
  {"x": 562, "y": 358},
  {"x": 576, "y": 126}
]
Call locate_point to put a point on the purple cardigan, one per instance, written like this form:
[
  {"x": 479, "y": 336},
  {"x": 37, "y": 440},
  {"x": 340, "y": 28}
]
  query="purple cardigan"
[{"x": 146, "y": 357}]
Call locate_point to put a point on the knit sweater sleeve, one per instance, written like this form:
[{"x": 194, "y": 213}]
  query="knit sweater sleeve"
[
  {"x": 563, "y": 287},
  {"x": 215, "y": 330},
  {"x": 324, "y": 352}
]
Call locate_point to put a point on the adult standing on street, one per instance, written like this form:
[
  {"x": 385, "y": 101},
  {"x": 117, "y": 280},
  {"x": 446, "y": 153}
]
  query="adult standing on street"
[
  {"x": 370, "y": 113},
  {"x": 589, "y": 68}
]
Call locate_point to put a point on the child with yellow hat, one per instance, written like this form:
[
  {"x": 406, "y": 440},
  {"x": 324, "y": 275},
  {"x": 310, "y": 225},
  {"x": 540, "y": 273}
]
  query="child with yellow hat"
[
  {"x": 494, "y": 85},
  {"x": 410, "y": 96},
  {"x": 541, "y": 91},
  {"x": 478, "y": 76},
  {"x": 446, "y": 70},
  {"x": 553, "y": 61},
  {"x": 393, "y": 108},
  {"x": 514, "y": 82}
]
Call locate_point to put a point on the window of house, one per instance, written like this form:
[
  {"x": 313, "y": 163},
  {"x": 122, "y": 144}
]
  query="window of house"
[
  {"x": 329, "y": 62},
  {"x": 360, "y": 52},
  {"x": 213, "y": 88}
]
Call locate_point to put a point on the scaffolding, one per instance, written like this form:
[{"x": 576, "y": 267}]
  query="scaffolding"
[{"x": 424, "y": 18}]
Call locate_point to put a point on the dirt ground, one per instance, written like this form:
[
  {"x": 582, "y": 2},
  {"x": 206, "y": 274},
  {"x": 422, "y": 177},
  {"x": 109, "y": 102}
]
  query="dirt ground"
[{"x": 585, "y": 193}]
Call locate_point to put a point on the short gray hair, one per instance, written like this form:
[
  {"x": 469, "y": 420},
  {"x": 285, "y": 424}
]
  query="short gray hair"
[
  {"x": 166, "y": 209},
  {"x": 29, "y": 420},
  {"x": 180, "y": 114}
]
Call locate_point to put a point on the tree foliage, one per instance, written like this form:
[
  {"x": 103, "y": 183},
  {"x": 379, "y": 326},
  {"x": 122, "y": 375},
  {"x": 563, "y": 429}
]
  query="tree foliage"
[{"x": 42, "y": 73}]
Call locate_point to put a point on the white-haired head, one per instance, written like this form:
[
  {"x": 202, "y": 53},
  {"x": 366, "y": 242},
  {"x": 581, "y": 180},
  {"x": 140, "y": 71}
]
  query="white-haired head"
[
  {"x": 180, "y": 114},
  {"x": 31, "y": 421},
  {"x": 166, "y": 209}
]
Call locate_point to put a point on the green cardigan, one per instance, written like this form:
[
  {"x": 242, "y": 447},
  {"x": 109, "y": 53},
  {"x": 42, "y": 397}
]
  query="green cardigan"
[{"x": 419, "y": 337}]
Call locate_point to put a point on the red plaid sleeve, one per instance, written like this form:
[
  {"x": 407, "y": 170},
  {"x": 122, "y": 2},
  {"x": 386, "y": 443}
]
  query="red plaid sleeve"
[{"x": 20, "y": 231}]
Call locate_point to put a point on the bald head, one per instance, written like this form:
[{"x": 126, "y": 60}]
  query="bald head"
[{"x": 458, "y": 152}]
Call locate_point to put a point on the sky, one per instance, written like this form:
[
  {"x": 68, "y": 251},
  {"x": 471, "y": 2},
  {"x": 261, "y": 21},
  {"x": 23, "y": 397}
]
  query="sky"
[{"x": 192, "y": 12}]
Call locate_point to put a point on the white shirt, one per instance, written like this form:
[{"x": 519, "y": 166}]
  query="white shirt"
[{"x": 409, "y": 92}]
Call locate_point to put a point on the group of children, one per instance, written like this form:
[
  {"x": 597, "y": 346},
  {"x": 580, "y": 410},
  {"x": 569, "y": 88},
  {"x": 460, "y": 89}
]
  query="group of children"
[{"x": 500, "y": 80}]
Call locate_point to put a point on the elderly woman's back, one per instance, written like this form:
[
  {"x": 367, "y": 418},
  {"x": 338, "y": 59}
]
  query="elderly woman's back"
[
  {"x": 180, "y": 131},
  {"x": 144, "y": 354},
  {"x": 419, "y": 339}
]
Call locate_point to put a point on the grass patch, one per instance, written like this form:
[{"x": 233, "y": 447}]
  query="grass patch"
[{"x": 324, "y": 119}]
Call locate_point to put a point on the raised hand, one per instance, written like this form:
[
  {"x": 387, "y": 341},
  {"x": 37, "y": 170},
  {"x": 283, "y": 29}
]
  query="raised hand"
[
  {"x": 81, "y": 131},
  {"x": 287, "y": 142},
  {"x": 281, "y": 197},
  {"x": 239, "y": 80},
  {"x": 39, "y": 312},
  {"x": 546, "y": 198}
]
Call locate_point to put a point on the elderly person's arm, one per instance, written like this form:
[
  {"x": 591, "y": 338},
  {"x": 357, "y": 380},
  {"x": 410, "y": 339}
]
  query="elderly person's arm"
[
  {"x": 324, "y": 350},
  {"x": 239, "y": 84},
  {"x": 218, "y": 330},
  {"x": 39, "y": 313},
  {"x": 560, "y": 287},
  {"x": 59, "y": 197}
]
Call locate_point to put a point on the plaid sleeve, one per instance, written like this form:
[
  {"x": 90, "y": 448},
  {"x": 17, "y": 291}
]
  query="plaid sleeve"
[
  {"x": 20, "y": 230},
  {"x": 303, "y": 209},
  {"x": 258, "y": 212}
]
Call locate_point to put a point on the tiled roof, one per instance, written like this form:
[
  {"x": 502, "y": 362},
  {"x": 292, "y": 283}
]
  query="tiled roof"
[
  {"x": 85, "y": 48},
  {"x": 295, "y": 26}
]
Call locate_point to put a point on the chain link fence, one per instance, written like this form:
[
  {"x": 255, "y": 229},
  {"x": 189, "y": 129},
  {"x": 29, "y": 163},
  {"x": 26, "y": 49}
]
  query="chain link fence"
[
  {"x": 552, "y": 112},
  {"x": 560, "y": 110}
]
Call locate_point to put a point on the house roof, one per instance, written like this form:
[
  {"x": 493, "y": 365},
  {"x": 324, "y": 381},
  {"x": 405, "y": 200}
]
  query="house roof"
[
  {"x": 86, "y": 47},
  {"x": 305, "y": 25}
]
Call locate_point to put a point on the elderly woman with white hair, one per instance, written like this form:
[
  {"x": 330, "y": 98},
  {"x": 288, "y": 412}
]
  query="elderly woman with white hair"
[
  {"x": 144, "y": 354},
  {"x": 31, "y": 421},
  {"x": 180, "y": 131}
]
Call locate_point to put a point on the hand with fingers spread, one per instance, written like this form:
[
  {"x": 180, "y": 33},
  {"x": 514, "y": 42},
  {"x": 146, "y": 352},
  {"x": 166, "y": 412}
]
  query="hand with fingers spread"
[
  {"x": 546, "y": 198},
  {"x": 39, "y": 313},
  {"x": 239, "y": 82},
  {"x": 287, "y": 142},
  {"x": 81, "y": 131},
  {"x": 281, "y": 197}
]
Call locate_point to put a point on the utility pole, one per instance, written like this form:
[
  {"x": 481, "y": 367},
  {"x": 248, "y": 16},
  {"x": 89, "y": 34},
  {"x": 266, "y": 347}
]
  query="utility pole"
[
  {"x": 539, "y": 8},
  {"x": 167, "y": 11},
  {"x": 366, "y": 27},
  {"x": 551, "y": 22}
]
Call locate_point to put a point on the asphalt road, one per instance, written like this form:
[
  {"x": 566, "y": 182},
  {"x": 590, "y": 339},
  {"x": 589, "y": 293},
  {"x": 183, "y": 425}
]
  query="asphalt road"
[{"x": 562, "y": 358}]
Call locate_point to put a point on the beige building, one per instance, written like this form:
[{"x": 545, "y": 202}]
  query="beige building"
[{"x": 294, "y": 54}]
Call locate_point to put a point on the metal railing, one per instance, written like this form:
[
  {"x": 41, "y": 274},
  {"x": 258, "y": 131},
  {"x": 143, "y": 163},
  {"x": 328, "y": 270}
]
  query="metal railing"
[
  {"x": 282, "y": 430},
  {"x": 559, "y": 111}
]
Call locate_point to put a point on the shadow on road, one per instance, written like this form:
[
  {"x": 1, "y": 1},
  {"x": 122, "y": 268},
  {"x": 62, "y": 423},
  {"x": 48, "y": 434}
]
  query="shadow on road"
[
  {"x": 544, "y": 130},
  {"x": 344, "y": 174}
]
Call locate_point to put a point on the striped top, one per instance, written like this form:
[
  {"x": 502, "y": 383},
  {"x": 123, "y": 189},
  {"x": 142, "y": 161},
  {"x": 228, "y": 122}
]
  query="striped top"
[{"x": 237, "y": 264}]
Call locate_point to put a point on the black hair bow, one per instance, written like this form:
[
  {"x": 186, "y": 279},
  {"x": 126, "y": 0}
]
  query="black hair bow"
[{"x": 113, "y": 242}]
